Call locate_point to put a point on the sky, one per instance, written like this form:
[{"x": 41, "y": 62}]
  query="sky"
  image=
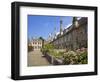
[{"x": 42, "y": 26}]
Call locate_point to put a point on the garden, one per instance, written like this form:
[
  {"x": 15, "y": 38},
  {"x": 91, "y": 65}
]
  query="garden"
[{"x": 64, "y": 56}]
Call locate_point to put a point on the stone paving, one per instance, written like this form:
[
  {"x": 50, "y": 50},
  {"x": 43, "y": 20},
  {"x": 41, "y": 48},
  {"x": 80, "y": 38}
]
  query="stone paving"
[{"x": 36, "y": 58}]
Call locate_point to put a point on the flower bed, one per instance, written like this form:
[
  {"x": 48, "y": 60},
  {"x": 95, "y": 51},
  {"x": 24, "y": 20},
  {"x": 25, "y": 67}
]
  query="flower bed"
[
  {"x": 60, "y": 57},
  {"x": 74, "y": 57}
]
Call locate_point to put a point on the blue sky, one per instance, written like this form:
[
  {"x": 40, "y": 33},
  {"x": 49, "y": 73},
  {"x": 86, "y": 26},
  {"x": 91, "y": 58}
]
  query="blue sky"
[{"x": 42, "y": 26}]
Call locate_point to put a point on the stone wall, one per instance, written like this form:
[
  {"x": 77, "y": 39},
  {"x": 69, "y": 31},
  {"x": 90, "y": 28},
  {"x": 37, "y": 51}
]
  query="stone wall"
[{"x": 74, "y": 38}]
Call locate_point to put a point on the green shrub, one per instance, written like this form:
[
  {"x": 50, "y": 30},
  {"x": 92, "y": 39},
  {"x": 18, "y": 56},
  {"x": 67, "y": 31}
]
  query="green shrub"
[
  {"x": 56, "y": 54},
  {"x": 82, "y": 58},
  {"x": 47, "y": 48},
  {"x": 30, "y": 48},
  {"x": 69, "y": 57},
  {"x": 72, "y": 57}
]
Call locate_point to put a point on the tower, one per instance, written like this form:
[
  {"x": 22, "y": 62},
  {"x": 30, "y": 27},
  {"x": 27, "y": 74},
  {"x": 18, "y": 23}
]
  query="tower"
[
  {"x": 61, "y": 29},
  {"x": 75, "y": 21}
]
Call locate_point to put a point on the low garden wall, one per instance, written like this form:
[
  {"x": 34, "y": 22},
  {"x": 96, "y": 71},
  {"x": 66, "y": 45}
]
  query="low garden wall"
[{"x": 53, "y": 60}]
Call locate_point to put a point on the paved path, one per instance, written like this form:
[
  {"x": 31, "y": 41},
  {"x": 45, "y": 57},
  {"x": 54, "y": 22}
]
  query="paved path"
[{"x": 35, "y": 58}]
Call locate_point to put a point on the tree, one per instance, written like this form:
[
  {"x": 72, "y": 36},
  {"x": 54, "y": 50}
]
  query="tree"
[{"x": 42, "y": 40}]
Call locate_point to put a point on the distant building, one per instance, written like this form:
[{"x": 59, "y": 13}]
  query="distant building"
[
  {"x": 73, "y": 37},
  {"x": 36, "y": 44}
]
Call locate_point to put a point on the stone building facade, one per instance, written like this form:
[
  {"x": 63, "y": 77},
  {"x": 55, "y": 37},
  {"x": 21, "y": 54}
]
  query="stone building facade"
[
  {"x": 74, "y": 37},
  {"x": 36, "y": 44}
]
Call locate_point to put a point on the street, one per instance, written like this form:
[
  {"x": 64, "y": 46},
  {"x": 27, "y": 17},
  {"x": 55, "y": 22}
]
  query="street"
[{"x": 36, "y": 58}]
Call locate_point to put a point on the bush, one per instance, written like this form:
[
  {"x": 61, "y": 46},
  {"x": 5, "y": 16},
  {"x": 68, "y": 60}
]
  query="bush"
[
  {"x": 68, "y": 57},
  {"x": 82, "y": 58},
  {"x": 47, "y": 48},
  {"x": 72, "y": 57},
  {"x": 56, "y": 54},
  {"x": 30, "y": 48}
]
